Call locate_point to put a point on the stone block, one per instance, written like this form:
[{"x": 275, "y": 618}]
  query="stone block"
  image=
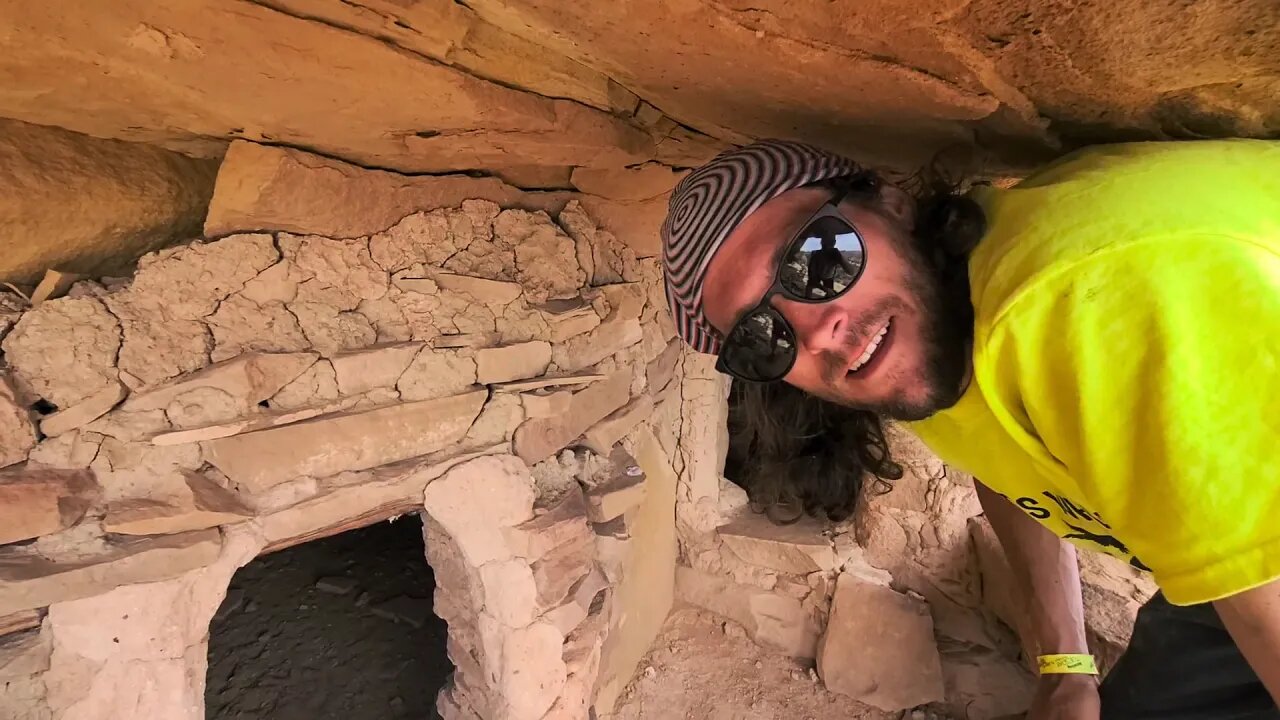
[
  {"x": 582, "y": 598},
  {"x": 35, "y": 502},
  {"x": 625, "y": 299},
  {"x": 546, "y": 261},
  {"x": 565, "y": 381},
  {"x": 253, "y": 423},
  {"x": 879, "y": 647},
  {"x": 246, "y": 380},
  {"x": 585, "y": 350},
  {"x": 983, "y": 684},
  {"x": 618, "y": 491},
  {"x": 30, "y": 581},
  {"x": 510, "y": 592},
  {"x": 436, "y": 374},
  {"x": 474, "y": 501},
  {"x": 540, "y": 438},
  {"x": 634, "y": 183},
  {"x": 204, "y": 504},
  {"x": 608, "y": 432},
  {"x": 350, "y": 441},
  {"x": 659, "y": 371},
  {"x": 84, "y": 412},
  {"x": 381, "y": 493},
  {"x": 92, "y": 205},
  {"x": 512, "y": 362},
  {"x": 550, "y": 527},
  {"x": 490, "y": 292},
  {"x": 534, "y": 671},
  {"x": 17, "y": 426},
  {"x": 546, "y": 404},
  {"x": 800, "y": 548},
  {"x": 774, "y": 620},
  {"x": 645, "y": 592},
  {"x": 560, "y": 569},
  {"x": 317, "y": 385},
  {"x": 360, "y": 371},
  {"x": 23, "y": 654},
  {"x": 572, "y": 324}
]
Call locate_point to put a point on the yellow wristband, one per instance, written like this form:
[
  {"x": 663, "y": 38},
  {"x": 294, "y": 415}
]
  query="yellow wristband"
[{"x": 1067, "y": 665}]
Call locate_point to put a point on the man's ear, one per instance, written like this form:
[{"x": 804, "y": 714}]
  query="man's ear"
[{"x": 897, "y": 204}]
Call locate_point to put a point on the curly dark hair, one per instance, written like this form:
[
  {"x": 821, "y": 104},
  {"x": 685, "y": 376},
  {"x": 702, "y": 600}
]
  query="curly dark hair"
[{"x": 797, "y": 454}]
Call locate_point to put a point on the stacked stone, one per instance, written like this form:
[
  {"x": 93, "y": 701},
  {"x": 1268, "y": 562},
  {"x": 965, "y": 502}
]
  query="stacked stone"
[
  {"x": 907, "y": 604},
  {"x": 276, "y": 387}
]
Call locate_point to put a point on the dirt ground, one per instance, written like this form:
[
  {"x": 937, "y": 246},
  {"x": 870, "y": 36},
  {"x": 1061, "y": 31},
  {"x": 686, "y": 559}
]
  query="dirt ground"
[
  {"x": 704, "y": 668},
  {"x": 339, "y": 628}
]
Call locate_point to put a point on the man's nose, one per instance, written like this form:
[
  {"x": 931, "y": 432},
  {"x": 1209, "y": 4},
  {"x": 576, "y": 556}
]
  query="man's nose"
[{"x": 819, "y": 327}]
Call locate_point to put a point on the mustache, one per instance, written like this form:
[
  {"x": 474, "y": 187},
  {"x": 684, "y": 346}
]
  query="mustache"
[{"x": 834, "y": 362}]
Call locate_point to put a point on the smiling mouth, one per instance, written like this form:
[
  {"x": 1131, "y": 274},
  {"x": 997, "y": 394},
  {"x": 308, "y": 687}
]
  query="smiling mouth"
[{"x": 872, "y": 348}]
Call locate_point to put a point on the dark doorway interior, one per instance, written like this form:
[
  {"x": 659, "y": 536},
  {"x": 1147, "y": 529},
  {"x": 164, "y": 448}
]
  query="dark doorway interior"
[{"x": 337, "y": 628}]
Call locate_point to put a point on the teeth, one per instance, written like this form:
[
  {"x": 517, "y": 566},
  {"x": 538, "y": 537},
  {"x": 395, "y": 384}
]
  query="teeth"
[{"x": 871, "y": 348}]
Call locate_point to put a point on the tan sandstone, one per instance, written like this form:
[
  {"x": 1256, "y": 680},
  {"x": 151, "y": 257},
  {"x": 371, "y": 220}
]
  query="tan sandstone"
[
  {"x": 602, "y": 436},
  {"x": 85, "y": 411},
  {"x": 35, "y": 502},
  {"x": 64, "y": 350},
  {"x": 489, "y": 292},
  {"x": 540, "y": 438},
  {"x": 376, "y": 367},
  {"x": 546, "y": 404},
  {"x": 879, "y": 647},
  {"x": 244, "y": 381},
  {"x": 94, "y": 205},
  {"x": 474, "y": 501},
  {"x": 512, "y": 362},
  {"x": 772, "y": 619},
  {"x": 276, "y": 188},
  {"x": 204, "y": 504},
  {"x": 647, "y": 589},
  {"x": 17, "y": 426},
  {"x": 349, "y": 441},
  {"x": 620, "y": 488},
  {"x": 30, "y": 581},
  {"x": 583, "y": 351},
  {"x": 798, "y": 549}
]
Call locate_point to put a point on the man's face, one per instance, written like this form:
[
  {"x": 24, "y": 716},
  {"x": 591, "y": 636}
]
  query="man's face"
[{"x": 890, "y": 344}]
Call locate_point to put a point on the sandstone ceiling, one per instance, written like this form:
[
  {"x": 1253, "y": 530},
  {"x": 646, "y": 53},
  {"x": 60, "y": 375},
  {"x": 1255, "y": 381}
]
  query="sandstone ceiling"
[{"x": 529, "y": 89}]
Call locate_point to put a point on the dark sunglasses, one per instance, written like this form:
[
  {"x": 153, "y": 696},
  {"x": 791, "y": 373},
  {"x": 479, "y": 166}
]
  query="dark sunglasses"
[{"x": 821, "y": 263}]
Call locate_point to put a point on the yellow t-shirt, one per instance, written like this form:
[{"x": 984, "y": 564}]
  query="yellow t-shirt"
[{"x": 1126, "y": 388}]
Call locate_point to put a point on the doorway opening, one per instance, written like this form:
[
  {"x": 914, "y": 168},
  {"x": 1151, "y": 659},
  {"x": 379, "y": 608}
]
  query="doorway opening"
[{"x": 337, "y": 628}]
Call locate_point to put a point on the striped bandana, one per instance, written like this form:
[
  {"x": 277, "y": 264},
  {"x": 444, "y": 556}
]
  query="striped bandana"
[{"x": 710, "y": 202}]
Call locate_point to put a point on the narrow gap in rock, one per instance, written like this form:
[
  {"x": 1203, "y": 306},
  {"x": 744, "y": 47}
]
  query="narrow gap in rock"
[
  {"x": 340, "y": 628},
  {"x": 739, "y": 456},
  {"x": 264, "y": 404}
]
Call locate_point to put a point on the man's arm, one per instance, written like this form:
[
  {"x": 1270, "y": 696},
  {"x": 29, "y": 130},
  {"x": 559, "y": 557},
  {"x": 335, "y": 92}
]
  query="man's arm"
[
  {"x": 1253, "y": 619},
  {"x": 1048, "y": 579}
]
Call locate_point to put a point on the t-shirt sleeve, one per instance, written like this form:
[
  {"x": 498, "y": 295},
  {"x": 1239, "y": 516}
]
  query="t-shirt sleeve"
[{"x": 1151, "y": 373}]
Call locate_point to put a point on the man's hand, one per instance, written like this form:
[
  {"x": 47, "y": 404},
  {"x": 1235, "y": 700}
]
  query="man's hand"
[{"x": 1066, "y": 697}]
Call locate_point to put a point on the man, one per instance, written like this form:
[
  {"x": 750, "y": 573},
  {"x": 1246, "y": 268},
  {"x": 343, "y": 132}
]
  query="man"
[
  {"x": 1099, "y": 345},
  {"x": 823, "y": 265}
]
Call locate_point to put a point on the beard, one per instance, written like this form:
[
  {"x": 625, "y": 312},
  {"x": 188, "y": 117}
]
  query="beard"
[{"x": 946, "y": 337}]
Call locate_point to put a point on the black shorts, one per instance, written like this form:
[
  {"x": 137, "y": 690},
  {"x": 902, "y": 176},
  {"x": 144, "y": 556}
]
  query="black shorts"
[{"x": 1183, "y": 665}]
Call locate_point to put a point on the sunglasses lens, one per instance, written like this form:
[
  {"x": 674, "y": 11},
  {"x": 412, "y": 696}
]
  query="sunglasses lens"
[
  {"x": 760, "y": 348},
  {"x": 823, "y": 262}
]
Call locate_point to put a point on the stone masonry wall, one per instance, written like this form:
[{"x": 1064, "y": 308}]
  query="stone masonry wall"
[
  {"x": 509, "y": 373},
  {"x": 908, "y": 603}
]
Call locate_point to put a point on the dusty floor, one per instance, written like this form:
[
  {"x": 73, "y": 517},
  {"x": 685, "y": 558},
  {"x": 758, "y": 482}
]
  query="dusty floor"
[
  {"x": 701, "y": 668},
  {"x": 338, "y": 628}
]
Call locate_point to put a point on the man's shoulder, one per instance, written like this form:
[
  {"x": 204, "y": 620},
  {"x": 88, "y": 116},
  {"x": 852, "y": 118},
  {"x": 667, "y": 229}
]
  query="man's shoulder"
[{"x": 1106, "y": 204}]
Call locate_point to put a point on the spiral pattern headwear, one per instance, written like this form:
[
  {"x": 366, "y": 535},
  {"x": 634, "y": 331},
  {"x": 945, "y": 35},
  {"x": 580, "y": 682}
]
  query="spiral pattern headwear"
[{"x": 710, "y": 202}]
